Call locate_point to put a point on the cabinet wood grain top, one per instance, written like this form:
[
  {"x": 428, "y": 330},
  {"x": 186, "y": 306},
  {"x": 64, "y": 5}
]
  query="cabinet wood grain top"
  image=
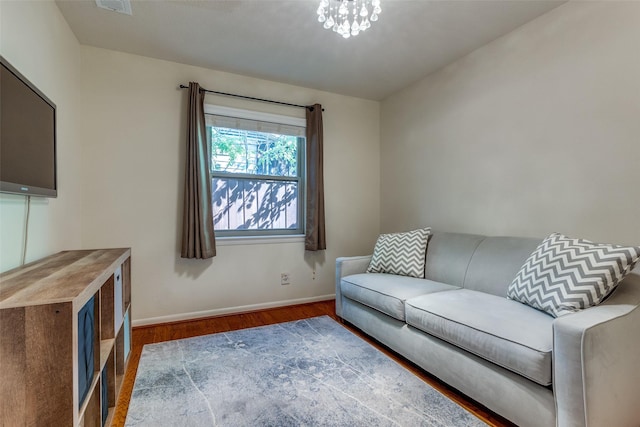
[{"x": 62, "y": 277}]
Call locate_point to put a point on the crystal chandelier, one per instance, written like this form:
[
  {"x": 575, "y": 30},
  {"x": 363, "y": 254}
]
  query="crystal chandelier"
[{"x": 348, "y": 17}]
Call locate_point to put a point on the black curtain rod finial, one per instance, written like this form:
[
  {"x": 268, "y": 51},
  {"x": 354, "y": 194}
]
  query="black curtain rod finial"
[{"x": 251, "y": 98}]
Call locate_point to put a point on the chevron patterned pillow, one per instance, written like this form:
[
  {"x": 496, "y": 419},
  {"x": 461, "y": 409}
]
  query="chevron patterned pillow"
[
  {"x": 565, "y": 275},
  {"x": 401, "y": 253}
]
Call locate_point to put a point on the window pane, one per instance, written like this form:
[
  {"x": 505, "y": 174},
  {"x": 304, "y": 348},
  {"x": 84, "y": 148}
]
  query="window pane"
[
  {"x": 252, "y": 152},
  {"x": 245, "y": 204}
]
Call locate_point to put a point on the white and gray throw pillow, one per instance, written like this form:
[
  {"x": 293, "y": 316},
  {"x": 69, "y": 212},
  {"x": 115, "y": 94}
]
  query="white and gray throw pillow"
[
  {"x": 565, "y": 275},
  {"x": 401, "y": 253}
]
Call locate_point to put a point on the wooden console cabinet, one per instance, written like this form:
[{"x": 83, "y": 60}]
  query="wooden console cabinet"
[{"x": 39, "y": 305}]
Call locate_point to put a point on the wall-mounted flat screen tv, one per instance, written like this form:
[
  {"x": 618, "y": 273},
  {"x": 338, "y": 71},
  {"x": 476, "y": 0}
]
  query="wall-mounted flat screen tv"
[{"x": 27, "y": 136}]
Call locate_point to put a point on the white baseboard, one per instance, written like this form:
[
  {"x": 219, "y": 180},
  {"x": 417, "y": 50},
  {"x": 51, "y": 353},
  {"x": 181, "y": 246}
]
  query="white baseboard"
[{"x": 224, "y": 311}]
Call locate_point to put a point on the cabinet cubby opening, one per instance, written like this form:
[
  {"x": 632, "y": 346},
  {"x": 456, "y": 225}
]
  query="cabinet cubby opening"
[
  {"x": 87, "y": 379},
  {"x": 91, "y": 415},
  {"x": 107, "y": 306},
  {"x": 119, "y": 359},
  {"x": 126, "y": 285}
]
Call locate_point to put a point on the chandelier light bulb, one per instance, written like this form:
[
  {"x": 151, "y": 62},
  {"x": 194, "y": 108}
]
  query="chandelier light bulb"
[{"x": 348, "y": 17}]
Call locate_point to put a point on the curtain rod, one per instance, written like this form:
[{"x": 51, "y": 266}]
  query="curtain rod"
[{"x": 310, "y": 107}]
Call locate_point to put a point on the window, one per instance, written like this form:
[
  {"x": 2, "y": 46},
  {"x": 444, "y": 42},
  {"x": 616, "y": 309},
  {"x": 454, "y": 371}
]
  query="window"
[{"x": 257, "y": 174}]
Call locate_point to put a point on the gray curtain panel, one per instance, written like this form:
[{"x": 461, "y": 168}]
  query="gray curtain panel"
[
  {"x": 198, "y": 239},
  {"x": 315, "y": 230}
]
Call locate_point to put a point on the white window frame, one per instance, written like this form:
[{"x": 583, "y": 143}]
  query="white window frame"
[{"x": 254, "y": 236}]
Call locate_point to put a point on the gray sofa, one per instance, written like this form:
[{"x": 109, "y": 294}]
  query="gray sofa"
[{"x": 581, "y": 369}]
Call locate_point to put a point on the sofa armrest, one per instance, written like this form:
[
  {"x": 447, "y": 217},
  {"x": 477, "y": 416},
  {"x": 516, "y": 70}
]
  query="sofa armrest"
[
  {"x": 346, "y": 266},
  {"x": 596, "y": 361}
]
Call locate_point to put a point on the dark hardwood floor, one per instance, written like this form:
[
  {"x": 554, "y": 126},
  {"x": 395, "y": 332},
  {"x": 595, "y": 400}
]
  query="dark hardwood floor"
[{"x": 177, "y": 330}]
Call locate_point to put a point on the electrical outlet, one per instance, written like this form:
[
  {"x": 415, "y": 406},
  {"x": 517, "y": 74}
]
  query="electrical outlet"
[
  {"x": 284, "y": 279},
  {"x": 313, "y": 275}
]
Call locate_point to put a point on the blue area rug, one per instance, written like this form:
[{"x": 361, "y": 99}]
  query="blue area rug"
[{"x": 310, "y": 372}]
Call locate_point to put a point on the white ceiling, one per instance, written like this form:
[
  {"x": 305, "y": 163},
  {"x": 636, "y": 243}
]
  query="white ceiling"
[{"x": 282, "y": 40}]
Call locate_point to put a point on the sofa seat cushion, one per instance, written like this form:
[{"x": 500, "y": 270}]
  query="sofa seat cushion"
[
  {"x": 502, "y": 331},
  {"x": 387, "y": 292}
]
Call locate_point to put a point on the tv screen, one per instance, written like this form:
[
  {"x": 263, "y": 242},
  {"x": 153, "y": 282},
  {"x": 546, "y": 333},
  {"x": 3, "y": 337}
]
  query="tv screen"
[{"x": 27, "y": 136}]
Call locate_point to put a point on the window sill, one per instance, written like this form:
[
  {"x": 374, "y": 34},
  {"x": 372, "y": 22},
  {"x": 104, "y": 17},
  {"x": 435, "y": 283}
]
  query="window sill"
[{"x": 259, "y": 240}]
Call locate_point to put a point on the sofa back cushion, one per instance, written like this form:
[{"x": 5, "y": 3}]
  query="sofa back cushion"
[
  {"x": 495, "y": 263},
  {"x": 448, "y": 256}
]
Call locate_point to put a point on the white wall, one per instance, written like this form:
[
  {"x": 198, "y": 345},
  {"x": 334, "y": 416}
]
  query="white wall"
[
  {"x": 134, "y": 136},
  {"x": 535, "y": 132},
  {"x": 35, "y": 39}
]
